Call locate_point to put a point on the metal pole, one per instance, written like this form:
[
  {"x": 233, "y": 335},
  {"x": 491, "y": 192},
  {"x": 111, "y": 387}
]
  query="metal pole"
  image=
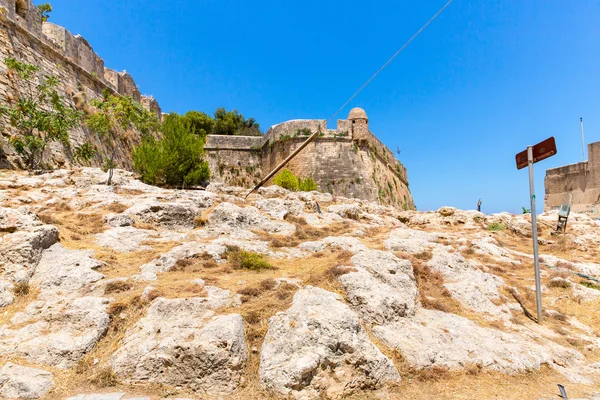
[
  {"x": 536, "y": 260},
  {"x": 582, "y": 138}
]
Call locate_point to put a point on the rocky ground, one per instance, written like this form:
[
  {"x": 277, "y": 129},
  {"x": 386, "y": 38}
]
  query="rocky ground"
[{"x": 129, "y": 291}]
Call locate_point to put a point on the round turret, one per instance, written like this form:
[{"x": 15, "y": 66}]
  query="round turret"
[{"x": 357, "y": 113}]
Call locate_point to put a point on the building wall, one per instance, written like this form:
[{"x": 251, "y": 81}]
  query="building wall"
[
  {"x": 80, "y": 70},
  {"x": 580, "y": 181},
  {"x": 235, "y": 160}
]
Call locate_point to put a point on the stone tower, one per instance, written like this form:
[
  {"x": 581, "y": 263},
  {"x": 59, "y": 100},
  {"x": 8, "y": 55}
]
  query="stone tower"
[{"x": 359, "y": 124}]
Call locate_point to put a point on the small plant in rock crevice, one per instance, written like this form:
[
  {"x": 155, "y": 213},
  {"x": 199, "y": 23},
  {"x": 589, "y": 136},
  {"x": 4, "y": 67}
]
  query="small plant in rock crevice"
[
  {"x": 241, "y": 259},
  {"x": 496, "y": 227}
]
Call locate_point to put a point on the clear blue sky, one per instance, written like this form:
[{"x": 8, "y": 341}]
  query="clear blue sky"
[{"x": 484, "y": 80}]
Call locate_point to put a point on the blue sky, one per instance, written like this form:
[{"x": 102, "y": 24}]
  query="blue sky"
[{"x": 484, "y": 80}]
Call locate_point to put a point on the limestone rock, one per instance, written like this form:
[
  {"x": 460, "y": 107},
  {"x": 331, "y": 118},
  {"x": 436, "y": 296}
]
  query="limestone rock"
[
  {"x": 435, "y": 338},
  {"x": 21, "y": 251},
  {"x": 350, "y": 211},
  {"x": 55, "y": 333},
  {"x": 24, "y": 382},
  {"x": 279, "y": 208},
  {"x": 101, "y": 396},
  {"x": 410, "y": 240},
  {"x": 350, "y": 244},
  {"x": 180, "y": 342},
  {"x": 272, "y": 191},
  {"x": 116, "y": 220},
  {"x": 248, "y": 217},
  {"x": 63, "y": 271},
  {"x": 584, "y": 293},
  {"x": 127, "y": 238},
  {"x": 12, "y": 219},
  {"x": 383, "y": 287},
  {"x": 179, "y": 214},
  {"x": 6, "y": 296},
  {"x": 317, "y": 348},
  {"x": 186, "y": 251},
  {"x": 489, "y": 246},
  {"x": 472, "y": 287}
]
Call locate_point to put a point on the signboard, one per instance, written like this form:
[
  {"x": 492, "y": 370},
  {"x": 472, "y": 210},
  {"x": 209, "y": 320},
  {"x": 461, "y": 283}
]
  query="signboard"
[
  {"x": 541, "y": 151},
  {"x": 531, "y": 155}
]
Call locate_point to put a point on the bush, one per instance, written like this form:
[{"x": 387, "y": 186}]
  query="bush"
[
  {"x": 496, "y": 227},
  {"x": 287, "y": 180},
  {"x": 307, "y": 185},
  {"x": 241, "y": 259},
  {"x": 174, "y": 160}
]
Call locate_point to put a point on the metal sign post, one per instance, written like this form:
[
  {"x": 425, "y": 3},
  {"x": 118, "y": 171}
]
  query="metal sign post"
[
  {"x": 536, "y": 259},
  {"x": 533, "y": 154}
]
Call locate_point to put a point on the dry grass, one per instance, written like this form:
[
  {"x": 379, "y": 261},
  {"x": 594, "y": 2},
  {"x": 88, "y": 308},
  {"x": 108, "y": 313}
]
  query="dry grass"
[
  {"x": 117, "y": 287},
  {"x": 21, "y": 289},
  {"x": 431, "y": 285},
  {"x": 304, "y": 233},
  {"x": 116, "y": 207},
  {"x": 465, "y": 385}
]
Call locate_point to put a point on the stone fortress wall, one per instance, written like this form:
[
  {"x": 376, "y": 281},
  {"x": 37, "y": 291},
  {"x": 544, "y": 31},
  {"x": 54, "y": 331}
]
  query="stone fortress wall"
[
  {"x": 81, "y": 71},
  {"x": 581, "y": 181},
  {"x": 348, "y": 161}
]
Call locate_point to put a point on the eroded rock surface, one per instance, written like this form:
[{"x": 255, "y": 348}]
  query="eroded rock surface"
[
  {"x": 183, "y": 342},
  {"x": 18, "y": 382},
  {"x": 56, "y": 333},
  {"x": 318, "y": 348},
  {"x": 382, "y": 287}
]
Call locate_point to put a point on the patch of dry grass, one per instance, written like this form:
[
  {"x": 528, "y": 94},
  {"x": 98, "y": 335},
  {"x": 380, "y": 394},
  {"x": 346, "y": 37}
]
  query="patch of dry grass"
[
  {"x": 304, "y": 233},
  {"x": 431, "y": 285}
]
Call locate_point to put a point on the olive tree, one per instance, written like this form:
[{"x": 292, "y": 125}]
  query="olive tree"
[{"x": 38, "y": 114}]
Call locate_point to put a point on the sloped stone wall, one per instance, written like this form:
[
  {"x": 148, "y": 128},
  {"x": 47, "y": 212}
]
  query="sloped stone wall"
[{"x": 82, "y": 75}]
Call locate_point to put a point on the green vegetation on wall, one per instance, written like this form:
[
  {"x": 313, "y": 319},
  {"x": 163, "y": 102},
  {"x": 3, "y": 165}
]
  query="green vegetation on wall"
[
  {"x": 112, "y": 117},
  {"x": 38, "y": 114}
]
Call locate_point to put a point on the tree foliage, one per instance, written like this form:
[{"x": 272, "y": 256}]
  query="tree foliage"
[
  {"x": 85, "y": 152},
  {"x": 174, "y": 160},
  {"x": 222, "y": 122},
  {"x": 46, "y": 9},
  {"x": 111, "y": 116},
  {"x": 39, "y": 114},
  {"x": 234, "y": 123}
]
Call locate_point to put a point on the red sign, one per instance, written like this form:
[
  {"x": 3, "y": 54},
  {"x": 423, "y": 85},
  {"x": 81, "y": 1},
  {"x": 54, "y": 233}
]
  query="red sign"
[{"x": 541, "y": 151}]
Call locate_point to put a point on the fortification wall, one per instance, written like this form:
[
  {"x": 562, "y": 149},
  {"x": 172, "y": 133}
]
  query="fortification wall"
[
  {"x": 343, "y": 167},
  {"x": 80, "y": 70},
  {"x": 339, "y": 160},
  {"x": 580, "y": 181},
  {"x": 235, "y": 160}
]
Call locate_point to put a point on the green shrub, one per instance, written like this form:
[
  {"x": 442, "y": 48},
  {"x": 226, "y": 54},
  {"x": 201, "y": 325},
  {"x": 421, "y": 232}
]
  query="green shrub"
[
  {"x": 174, "y": 160},
  {"x": 307, "y": 185},
  {"x": 287, "y": 180},
  {"x": 496, "y": 227},
  {"x": 241, "y": 259},
  {"x": 85, "y": 152}
]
